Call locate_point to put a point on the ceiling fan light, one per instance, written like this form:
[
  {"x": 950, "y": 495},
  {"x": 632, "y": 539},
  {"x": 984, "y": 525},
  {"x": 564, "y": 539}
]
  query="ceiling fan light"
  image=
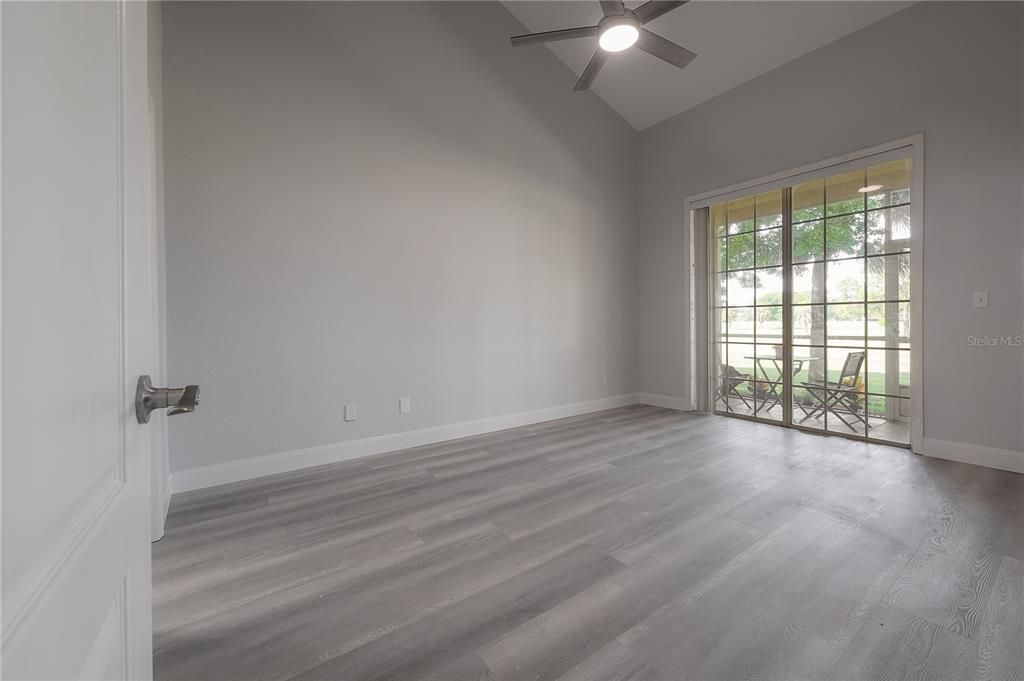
[
  {"x": 618, "y": 37},
  {"x": 870, "y": 188}
]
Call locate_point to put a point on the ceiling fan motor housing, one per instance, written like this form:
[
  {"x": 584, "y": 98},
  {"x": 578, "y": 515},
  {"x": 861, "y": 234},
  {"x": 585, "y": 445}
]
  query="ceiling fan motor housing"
[{"x": 628, "y": 20}]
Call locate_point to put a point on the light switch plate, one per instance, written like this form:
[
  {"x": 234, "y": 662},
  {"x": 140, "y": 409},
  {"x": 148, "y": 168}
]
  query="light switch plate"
[
  {"x": 404, "y": 405},
  {"x": 351, "y": 412},
  {"x": 980, "y": 299}
]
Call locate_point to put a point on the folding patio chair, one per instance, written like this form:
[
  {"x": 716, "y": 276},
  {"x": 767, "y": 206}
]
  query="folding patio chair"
[
  {"x": 838, "y": 398},
  {"x": 731, "y": 380}
]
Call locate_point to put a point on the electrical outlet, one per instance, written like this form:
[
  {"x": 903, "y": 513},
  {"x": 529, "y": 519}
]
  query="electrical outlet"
[
  {"x": 980, "y": 299},
  {"x": 351, "y": 413},
  {"x": 604, "y": 379},
  {"x": 404, "y": 405}
]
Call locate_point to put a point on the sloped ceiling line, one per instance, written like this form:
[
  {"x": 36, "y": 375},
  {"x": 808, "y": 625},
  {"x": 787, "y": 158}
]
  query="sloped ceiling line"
[{"x": 735, "y": 42}]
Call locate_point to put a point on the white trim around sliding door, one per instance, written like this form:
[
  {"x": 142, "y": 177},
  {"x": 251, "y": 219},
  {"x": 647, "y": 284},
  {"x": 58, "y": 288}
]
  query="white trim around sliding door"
[
  {"x": 917, "y": 292},
  {"x": 811, "y": 171},
  {"x": 907, "y": 147},
  {"x": 699, "y": 318}
]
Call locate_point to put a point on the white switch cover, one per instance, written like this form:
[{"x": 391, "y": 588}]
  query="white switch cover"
[
  {"x": 981, "y": 299},
  {"x": 350, "y": 412},
  {"x": 404, "y": 405},
  {"x": 604, "y": 379}
]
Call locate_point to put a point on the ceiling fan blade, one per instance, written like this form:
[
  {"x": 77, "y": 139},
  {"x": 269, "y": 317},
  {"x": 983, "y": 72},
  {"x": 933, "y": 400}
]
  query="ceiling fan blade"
[
  {"x": 549, "y": 36},
  {"x": 612, "y": 8},
  {"x": 652, "y": 9},
  {"x": 590, "y": 73},
  {"x": 666, "y": 50}
]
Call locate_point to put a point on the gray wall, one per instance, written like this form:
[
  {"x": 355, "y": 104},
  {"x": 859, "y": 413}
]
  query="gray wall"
[
  {"x": 367, "y": 201},
  {"x": 952, "y": 71}
]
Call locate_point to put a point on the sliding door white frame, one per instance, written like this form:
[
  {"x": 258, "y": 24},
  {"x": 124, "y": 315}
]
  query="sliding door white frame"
[{"x": 699, "y": 334}]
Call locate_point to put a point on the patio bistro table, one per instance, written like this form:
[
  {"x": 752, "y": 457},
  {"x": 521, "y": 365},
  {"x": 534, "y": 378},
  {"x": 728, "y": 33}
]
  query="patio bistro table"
[{"x": 776, "y": 383}]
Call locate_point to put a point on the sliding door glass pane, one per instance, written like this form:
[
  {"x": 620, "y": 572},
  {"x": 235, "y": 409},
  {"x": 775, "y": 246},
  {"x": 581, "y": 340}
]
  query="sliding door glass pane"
[
  {"x": 809, "y": 283},
  {"x": 888, "y": 277},
  {"x": 843, "y": 193},
  {"x": 845, "y": 281},
  {"x": 888, "y": 372},
  {"x": 809, "y": 241},
  {"x": 808, "y": 325},
  {"x": 768, "y": 209},
  {"x": 740, "y": 215},
  {"x": 864, "y": 281},
  {"x": 749, "y": 304},
  {"x": 844, "y": 236},
  {"x": 845, "y": 325},
  {"x": 888, "y": 184},
  {"x": 741, "y": 324},
  {"x": 889, "y": 418},
  {"x": 889, "y": 325},
  {"x": 719, "y": 219},
  {"x": 740, "y": 288},
  {"x": 769, "y": 247},
  {"x": 808, "y": 201},
  {"x": 769, "y": 286},
  {"x": 740, "y": 251},
  {"x": 888, "y": 230}
]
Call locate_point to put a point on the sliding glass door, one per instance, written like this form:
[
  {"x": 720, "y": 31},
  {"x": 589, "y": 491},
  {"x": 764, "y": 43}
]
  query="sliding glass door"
[{"x": 811, "y": 301}]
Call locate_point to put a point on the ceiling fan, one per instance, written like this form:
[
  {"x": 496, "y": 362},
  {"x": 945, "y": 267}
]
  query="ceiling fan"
[{"x": 620, "y": 28}]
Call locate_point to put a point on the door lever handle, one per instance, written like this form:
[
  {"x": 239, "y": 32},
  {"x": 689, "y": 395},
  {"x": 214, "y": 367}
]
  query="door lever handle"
[
  {"x": 187, "y": 402},
  {"x": 175, "y": 400}
]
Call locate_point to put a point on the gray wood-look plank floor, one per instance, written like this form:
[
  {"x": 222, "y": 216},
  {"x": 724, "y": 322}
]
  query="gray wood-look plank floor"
[{"x": 637, "y": 543}]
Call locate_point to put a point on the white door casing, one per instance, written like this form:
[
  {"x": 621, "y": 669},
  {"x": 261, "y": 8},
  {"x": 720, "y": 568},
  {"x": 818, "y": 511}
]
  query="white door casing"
[{"x": 78, "y": 327}]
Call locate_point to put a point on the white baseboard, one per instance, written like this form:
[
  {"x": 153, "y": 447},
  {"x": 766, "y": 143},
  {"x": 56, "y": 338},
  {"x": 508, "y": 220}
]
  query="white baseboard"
[
  {"x": 246, "y": 469},
  {"x": 1004, "y": 459},
  {"x": 666, "y": 401}
]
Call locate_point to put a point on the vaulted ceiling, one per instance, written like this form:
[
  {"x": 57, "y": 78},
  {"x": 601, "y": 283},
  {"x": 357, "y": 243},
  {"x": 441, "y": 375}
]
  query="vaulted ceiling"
[{"x": 734, "y": 42}]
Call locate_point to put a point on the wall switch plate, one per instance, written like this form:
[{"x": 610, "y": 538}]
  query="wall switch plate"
[
  {"x": 980, "y": 299},
  {"x": 404, "y": 405},
  {"x": 351, "y": 412},
  {"x": 604, "y": 379}
]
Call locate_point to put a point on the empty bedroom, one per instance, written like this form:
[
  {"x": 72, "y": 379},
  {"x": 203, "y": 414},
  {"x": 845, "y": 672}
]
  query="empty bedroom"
[{"x": 521, "y": 340}]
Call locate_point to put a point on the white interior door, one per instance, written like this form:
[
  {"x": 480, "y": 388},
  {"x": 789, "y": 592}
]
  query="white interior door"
[{"x": 78, "y": 329}]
